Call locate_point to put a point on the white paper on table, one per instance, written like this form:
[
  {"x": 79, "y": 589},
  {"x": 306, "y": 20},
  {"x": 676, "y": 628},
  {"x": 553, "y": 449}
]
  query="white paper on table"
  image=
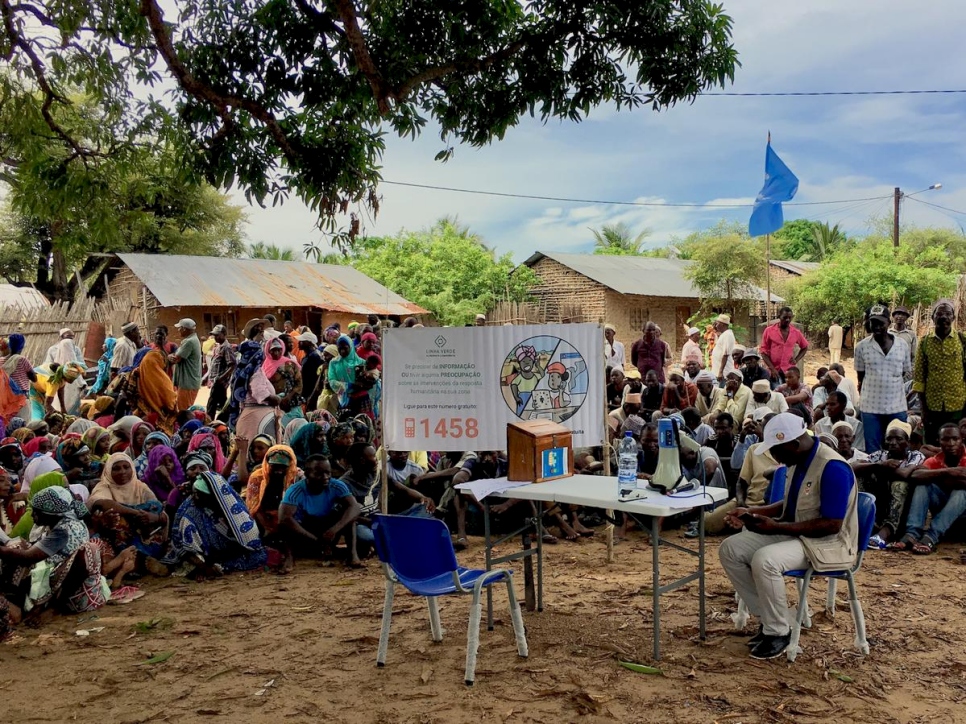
[{"x": 483, "y": 488}]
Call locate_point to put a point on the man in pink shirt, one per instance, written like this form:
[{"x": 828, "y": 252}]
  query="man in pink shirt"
[{"x": 778, "y": 343}]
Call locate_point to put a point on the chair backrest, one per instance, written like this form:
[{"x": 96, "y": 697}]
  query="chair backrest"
[
  {"x": 776, "y": 488},
  {"x": 866, "y": 512},
  {"x": 415, "y": 548}
]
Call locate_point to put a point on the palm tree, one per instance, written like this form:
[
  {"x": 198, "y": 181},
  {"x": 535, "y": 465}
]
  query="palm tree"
[
  {"x": 261, "y": 250},
  {"x": 618, "y": 239},
  {"x": 827, "y": 239}
]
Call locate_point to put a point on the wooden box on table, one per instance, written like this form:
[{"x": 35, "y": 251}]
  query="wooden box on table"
[{"x": 539, "y": 450}]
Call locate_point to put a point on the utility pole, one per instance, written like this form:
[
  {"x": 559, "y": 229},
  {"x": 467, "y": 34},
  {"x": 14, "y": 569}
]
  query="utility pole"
[{"x": 895, "y": 218}]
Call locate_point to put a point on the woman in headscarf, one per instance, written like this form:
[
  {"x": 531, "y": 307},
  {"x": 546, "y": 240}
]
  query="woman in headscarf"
[
  {"x": 163, "y": 473},
  {"x": 20, "y": 374},
  {"x": 41, "y": 482},
  {"x": 214, "y": 532},
  {"x": 150, "y": 442},
  {"x": 292, "y": 429},
  {"x": 340, "y": 439},
  {"x": 286, "y": 378},
  {"x": 49, "y": 382},
  {"x": 139, "y": 434},
  {"x": 61, "y": 567},
  {"x": 150, "y": 392},
  {"x": 368, "y": 346},
  {"x": 74, "y": 458},
  {"x": 104, "y": 366},
  {"x": 12, "y": 460},
  {"x": 309, "y": 440},
  {"x": 207, "y": 442},
  {"x": 266, "y": 486},
  {"x": 97, "y": 440},
  {"x": 23, "y": 435},
  {"x": 342, "y": 371},
  {"x": 79, "y": 426},
  {"x": 142, "y": 522},
  {"x": 102, "y": 411},
  {"x": 56, "y": 422},
  {"x": 40, "y": 465},
  {"x": 252, "y": 396},
  {"x": 194, "y": 465},
  {"x": 36, "y": 447}
]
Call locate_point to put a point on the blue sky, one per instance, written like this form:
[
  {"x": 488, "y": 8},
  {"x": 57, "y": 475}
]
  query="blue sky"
[{"x": 712, "y": 151}]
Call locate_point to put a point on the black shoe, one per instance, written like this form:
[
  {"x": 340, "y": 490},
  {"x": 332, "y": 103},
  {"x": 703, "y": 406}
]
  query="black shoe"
[
  {"x": 771, "y": 647},
  {"x": 757, "y": 638}
]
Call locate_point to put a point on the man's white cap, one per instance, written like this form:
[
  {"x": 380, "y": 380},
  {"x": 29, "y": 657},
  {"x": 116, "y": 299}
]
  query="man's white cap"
[
  {"x": 782, "y": 428},
  {"x": 308, "y": 337},
  {"x": 186, "y": 324},
  {"x": 760, "y": 413},
  {"x": 694, "y": 330}
]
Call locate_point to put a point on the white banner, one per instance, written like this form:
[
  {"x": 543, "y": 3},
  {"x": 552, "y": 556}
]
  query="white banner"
[{"x": 456, "y": 388}]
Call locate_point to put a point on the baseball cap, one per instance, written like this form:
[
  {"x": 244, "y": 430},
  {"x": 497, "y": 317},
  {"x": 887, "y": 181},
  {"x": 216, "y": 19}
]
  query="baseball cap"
[
  {"x": 219, "y": 329},
  {"x": 186, "y": 324},
  {"x": 901, "y": 310},
  {"x": 781, "y": 429},
  {"x": 880, "y": 312},
  {"x": 308, "y": 337}
]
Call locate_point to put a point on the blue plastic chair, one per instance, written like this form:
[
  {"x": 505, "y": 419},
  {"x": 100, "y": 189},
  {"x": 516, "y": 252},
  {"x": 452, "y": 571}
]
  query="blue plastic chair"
[
  {"x": 866, "y": 512},
  {"x": 418, "y": 553}
]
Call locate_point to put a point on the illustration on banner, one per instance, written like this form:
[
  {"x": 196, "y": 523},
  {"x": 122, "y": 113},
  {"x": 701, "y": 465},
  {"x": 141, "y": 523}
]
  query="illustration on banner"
[{"x": 544, "y": 378}]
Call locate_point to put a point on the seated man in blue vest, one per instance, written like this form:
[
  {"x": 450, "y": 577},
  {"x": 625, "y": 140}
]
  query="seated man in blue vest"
[{"x": 815, "y": 525}]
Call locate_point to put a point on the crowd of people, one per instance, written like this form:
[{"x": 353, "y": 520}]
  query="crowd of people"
[{"x": 284, "y": 460}]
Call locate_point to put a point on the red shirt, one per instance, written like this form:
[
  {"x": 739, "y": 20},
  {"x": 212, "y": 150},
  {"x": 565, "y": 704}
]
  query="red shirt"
[
  {"x": 651, "y": 356},
  {"x": 938, "y": 462},
  {"x": 781, "y": 351}
]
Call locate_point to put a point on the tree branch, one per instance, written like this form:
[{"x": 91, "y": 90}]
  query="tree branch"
[
  {"x": 222, "y": 103},
  {"x": 353, "y": 33},
  {"x": 432, "y": 74}
]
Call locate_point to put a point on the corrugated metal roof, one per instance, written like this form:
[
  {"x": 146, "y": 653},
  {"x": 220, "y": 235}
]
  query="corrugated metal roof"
[
  {"x": 643, "y": 275},
  {"x": 205, "y": 281},
  {"x": 795, "y": 267},
  {"x": 23, "y": 297}
]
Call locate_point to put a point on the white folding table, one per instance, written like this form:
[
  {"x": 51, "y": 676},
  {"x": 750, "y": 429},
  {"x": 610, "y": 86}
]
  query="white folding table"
[{"x": 601, "y": 492}]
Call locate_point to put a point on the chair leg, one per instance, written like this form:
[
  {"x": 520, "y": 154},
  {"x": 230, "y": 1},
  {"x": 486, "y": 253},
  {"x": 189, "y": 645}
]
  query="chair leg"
[
  {"x": 858, "y": 617},
  {"x": 807, "y": 620},
  {"x": 740, "y": 617},
  {"x": 830, "y": 598},
  {"x": 519, "y": 632},
  {"x": 386, "y": 619},
  {"x": 473, "y": 637},
  {"x": 434, "y": 626},
  {"x": 793, "y": 648}
]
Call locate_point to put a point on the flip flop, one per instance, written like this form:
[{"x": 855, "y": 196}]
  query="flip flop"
[
  {"x": 461, "y": 544},
  {"x": 549, "y": 539},
  {"x": 924, "y": 547},
  {"x": 127, "y": 594}
]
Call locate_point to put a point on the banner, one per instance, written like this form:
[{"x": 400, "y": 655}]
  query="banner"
[{"x": 456, "y": 388}]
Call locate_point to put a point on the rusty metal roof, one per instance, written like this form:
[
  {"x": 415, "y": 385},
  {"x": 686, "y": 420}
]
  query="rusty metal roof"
[
  {"x": 641, "y": 275},
  {"x": 205, "y": 281},
  {"x": 795, "y": 267}
]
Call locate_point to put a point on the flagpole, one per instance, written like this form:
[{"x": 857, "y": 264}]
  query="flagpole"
[{"x": 768, "y": 278}]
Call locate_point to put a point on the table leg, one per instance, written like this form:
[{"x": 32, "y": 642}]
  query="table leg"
[
  {"x": 529, "y": 595},
  {"x": 701, "y": 625},
  {"x": 488, "y": 547},
  {"x": 539, "y": 561},
  {"x": 656, "y": 582}
]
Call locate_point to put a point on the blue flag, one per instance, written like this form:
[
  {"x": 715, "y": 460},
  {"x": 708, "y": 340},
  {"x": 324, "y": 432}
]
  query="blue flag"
[{"x": 780, "y": 185}]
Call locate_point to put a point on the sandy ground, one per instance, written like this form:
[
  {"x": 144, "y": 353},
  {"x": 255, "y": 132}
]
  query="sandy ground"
[{"x": 265, "y": 648}]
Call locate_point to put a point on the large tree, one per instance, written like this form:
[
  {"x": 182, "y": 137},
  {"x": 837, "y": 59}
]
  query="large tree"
[
  {"x": 726, "y": 268},
  {"x": 295, "y": 96},
  {"x": 619, "y": 240},
  {"x": 446, "y": 269}
]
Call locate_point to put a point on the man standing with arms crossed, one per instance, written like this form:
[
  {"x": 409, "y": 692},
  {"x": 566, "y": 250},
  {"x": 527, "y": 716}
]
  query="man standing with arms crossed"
[
  {"x": 724, "y": 347},
  {"x": 778, "y": 344},
  {"x": 187, "y": 365}
]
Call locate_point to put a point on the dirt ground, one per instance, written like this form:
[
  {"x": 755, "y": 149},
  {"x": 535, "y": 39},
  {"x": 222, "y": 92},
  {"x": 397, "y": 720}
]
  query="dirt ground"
[{"x": 266, "y": 648}]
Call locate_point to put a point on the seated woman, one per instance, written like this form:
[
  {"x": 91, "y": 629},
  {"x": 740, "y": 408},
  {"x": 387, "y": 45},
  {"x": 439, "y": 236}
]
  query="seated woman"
[
  {"x": 309, "y": 440},
  {"x": 139, "y": 433},
  {"x": 163, "y": 473},
  {"x": 97, "y": 440},
  {"x": 267, "y": 485},
  {"x": 141, "y": 521},
  {"x": 214, "y": 532},
  {"x": 150, "y": 442},
  {"x": 69, "y": 576},
  {"x": 253, "y": 453},
  {"x": 74, "y": 458},
  {"x": 194, "y": 465},
  {"x": 203, "y": 441},
  {"x": 315, "y": 513}
]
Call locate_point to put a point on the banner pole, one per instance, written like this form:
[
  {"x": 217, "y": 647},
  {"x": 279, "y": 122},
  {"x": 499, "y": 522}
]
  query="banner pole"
[
  {"x": 384, "y": 458},
  {"x": 609, "y": 530}
]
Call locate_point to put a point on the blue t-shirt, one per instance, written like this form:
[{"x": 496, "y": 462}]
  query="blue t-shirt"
[
  {"x": 837, "y": 482},
  {"x": 316, "y": 506}
]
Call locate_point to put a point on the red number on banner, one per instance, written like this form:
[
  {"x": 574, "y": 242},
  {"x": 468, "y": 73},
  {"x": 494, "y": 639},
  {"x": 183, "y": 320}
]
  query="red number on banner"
[
  {"x": 456, "y": 427},
  {"x": 441, "y": 428},
  {"x": 472, "y": 428},
  {"x": 425, "y": 423}
]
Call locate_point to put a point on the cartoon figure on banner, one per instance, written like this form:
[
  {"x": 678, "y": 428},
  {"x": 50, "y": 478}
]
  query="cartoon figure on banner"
[{"x": 544, "y": 378}]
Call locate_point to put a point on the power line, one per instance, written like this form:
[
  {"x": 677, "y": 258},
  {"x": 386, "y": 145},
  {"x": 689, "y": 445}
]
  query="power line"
[
  {"x": 799, "y": 94},
  {"x": 935, "y": 206},
  {"x": 619, "y": 203}
]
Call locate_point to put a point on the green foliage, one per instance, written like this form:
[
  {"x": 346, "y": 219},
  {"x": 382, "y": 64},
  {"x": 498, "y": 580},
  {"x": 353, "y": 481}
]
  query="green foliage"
[
  {"x": 618, "y": 240},
  {"x": 445, "y": 269},
  {"x": 794, "y": 241},
  {"x": 286, "y": 97},
  {"x": 848, "y": 283},
  {"x": 726, "y": 268},
  {"x": 261, "y": 250}
]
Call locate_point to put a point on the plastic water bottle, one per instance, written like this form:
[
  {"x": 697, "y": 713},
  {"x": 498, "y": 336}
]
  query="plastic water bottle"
[{"x": 626, "y": 465}]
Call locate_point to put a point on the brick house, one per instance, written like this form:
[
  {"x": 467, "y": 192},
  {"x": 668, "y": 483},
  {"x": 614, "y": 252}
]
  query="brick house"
[
  {"x": 627, "y": 292},
  {"x": 783, "y": 270},
  {"x": 155, "y": 289}
]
